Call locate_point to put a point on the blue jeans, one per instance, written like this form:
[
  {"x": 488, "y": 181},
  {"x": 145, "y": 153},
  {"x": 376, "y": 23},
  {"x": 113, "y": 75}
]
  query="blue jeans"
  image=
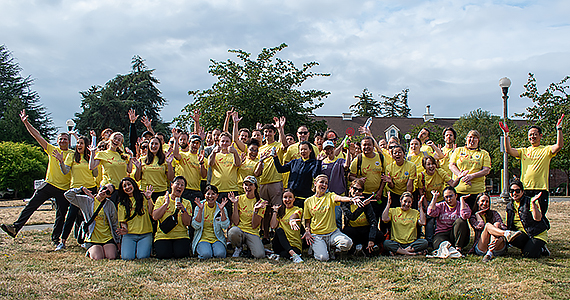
[
  {"x": 136, "y": 245},
  {"x": 206, "y": 250}
]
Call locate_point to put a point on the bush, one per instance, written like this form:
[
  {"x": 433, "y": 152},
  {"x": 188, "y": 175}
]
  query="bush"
[{"x": 20, "y": 165}]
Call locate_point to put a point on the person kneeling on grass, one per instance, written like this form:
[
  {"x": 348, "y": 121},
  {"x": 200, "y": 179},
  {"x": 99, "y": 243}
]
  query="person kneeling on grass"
[
  {"x": 451, "y": 219},
  {"x": 247, "y": 214},
  {"x": 171, "y": 239},
  {"x": 287, "y": 241},
  {"x": 490, "y": 234},
  {"x": 321, "y": 233},
  {"x": 404, "y": 226},
  {"x": 210, "y": 220},
  {"x": 102, "y": 239}
]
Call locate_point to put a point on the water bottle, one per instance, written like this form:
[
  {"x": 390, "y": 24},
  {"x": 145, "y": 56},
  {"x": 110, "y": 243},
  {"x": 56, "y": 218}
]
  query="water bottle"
[{"x": 368, "y": 122}]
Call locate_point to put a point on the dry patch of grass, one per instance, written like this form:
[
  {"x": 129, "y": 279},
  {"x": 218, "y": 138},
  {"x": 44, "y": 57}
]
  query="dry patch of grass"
[
  {"x": 30, "y": 269},
  {"x": 10, "y": 210}
]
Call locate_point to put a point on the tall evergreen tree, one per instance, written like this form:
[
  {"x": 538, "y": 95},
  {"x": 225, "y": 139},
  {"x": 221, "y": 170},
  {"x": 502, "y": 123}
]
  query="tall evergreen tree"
[
  {"x": 366, "y": 106},
  {"x": 396, "y": 106}
]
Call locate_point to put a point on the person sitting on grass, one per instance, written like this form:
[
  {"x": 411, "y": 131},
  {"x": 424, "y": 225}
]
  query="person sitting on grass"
[
  {"x": 490, "y": 234},
  {"x": 451, "y": 219},
  {"x": 525, "y": 214},
  {"x": 102, "y": 238},
  {"x": 287, "y": 241},
  {"x": 247, "y": 214},
  {"x": 210, "y": 220},
  {"x": 321, "y": 232},
  {"x": 171, "y": 239},
  {"x": 404, "y": 226}
]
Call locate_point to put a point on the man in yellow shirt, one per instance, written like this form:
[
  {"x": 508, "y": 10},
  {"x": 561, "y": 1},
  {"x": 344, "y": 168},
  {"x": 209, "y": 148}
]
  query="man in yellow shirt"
[
  {"x": 191, "y": 165},
  {"x": 55, "y": 184},
  {"x": 535, "y": 161},
  {"x": 449, "y": 136}
]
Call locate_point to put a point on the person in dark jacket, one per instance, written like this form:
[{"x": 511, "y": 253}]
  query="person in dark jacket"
[
  {"x": 360, "y": 223},
  {"x": 525, "y": 214},
  {"x": 303, "y": 171}
]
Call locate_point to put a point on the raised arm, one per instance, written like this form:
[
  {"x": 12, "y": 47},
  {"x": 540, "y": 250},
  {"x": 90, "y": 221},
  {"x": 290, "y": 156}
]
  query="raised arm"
[
  {"x": 133, "y": 130},
  {"x": 559, "y": 139},
  {"x": 34, "y": 132},
  {"x": 235, "y": 132},
  {"x": 386, "y": 212}
]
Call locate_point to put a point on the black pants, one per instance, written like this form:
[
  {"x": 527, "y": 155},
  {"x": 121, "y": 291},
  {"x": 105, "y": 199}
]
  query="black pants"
[
  {"x": 531, "y": 247},
  {"x": 39, "y": 197},
  {"x": 360, "y": 235},
  {"x": 458, "y": 236},
  {"x": 74, "y": 217},
  {"x": 281, "y": 245},
  {"x": 177, "y": 248},
  {"x": 543, "y": 200}
]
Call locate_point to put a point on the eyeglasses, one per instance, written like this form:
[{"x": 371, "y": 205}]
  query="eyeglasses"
[
  {"x": 144, "y": 147},
  {"x": 302, "y": 132},
  {"x": 515, "y": 190},
  {"x": 357, "y": 189},
  {"x": 106, "y": 190}
]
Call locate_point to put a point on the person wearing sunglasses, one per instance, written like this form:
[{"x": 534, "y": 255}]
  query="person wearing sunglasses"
[
  {"x": 102, "y": 238},
  {"x": 525, "y": 214},
  {"x": 360, "y": 222}
]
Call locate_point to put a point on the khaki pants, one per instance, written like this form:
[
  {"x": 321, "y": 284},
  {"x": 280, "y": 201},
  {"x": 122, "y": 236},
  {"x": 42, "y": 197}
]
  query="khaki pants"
[
  {"x": 326, "y": 244},
  {"x": 237, "y": 237}
]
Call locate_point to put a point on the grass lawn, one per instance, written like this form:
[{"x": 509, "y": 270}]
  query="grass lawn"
[{"x": 31, "y": 270}]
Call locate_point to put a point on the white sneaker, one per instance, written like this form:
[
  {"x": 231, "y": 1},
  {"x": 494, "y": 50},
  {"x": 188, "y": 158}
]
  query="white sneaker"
[
  {"x": 358, "y": 250},
  {"x": 60, "y": 246},
  {"x": 511, "y": 235},
  {"x": 237, "y": 251},
  {"x": 274, "y": 256},
  {"x": 297, "y": 258}
]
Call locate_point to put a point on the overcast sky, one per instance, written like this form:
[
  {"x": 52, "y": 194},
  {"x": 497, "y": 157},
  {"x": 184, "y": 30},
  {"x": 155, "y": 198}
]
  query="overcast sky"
[{"x": 450, "y": 54}]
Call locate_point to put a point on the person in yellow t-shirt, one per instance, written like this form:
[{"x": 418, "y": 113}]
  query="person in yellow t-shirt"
[
  {"x": 360, "y": 223},
  {"x": 55, "y": 184},
  {"x": 535, "y": 161},
  {"x": 250, "y": 164},
  {"x": 399, "y": 176},
  {"x": 76, "y": 163},
  {"x": 154, "y": 169},
  {"x": 321, "y": 232},
  {"x": 285, "y": 221},
  {"x": 478, "y": 164},
  {"x": 403, "y": 229},
  {"x": 224, "y": 163},
  {"x": 134, "y": 211},
  {"x": 175, "y": 243},
  {"x": 449, "y": 136},
  {"x": 190, "y": 164},
  {"x": 209, "y": 222},
  {"x": 247, "y": 216}
]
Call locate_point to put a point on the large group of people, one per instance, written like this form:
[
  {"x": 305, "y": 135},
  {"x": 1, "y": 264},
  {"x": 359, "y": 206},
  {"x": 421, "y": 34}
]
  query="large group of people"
[{"x": 262, "y": 192}]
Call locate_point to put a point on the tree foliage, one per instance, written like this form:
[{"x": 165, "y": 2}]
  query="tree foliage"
[
  {"x": 259, "y": 90},
  {"x": 21, "y": 165},
  {"x": 107, "y": 106},
  {"x": 395, "y": 106},
  {"x": 366, "y": 106},
  {"x": 16, "y": 94},
  {"x": 547, "y": 109}
]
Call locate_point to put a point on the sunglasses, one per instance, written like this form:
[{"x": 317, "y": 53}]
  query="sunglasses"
[
  {"x": 357, "y": 189},
  {"x": 144, "y": 147},
  {"x": 107, "y": 192},
  {"x": 303, "y": 132},
  {"x": 515, "y": 190}
]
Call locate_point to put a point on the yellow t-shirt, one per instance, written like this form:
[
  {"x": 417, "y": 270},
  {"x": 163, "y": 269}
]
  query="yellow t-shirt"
[
  {"x": 293, "y": 152},
  {"x": 153, "y": 174},
  {"x": 400, "y": 176},
  {"x": 270, "y": 174},
  {"x": 403, "y": 224},
  {"x": 360, "y": 221},
  {"x": 179, "y": 231},
  {"x": 54, "y": 176},
  {"x": 321, "y": 212},
  {"x": 102, "y": 232},
  {"x": 245, "y": 208},
  {"x": 138, "y": 224},
  {"x": 372, "y": 169},
  {"x": 444, "y": 162},
  {"x": 247, "y": 168},
  {"x": 543, "y": 236},
  {"x": 535, "y": 166},
  {"x": 80, "y": 173},
  {"x": 387, "y": 157},
  {"x": 225, "y": 172},
  {"x": 436, "y": 182},
  {"x": 114, "y": 167},
  {"x": 208, "y": 234},
  {"x": 189, "y": 167},
  {"x": 293, "y": 236},
  {"x": 473, "y": 161},
  {"x": 417, "y": 160}
]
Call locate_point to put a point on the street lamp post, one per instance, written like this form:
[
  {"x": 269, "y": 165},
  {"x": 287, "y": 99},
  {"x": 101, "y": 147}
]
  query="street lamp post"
[
  {"x": 505, "y": 83},
  {"x": 408, "y": 137}
]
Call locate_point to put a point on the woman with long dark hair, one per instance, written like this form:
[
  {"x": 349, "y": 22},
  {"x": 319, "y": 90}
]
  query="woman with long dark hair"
[
  {"x": 284, "y": 220},
  {"x": 134, "y": 219},
  {"x": 209, "y": 221},
  {"x": 154, "y": 169},
  {"x": 78, "y": 164},
  {"x": 486, "y": 244}
]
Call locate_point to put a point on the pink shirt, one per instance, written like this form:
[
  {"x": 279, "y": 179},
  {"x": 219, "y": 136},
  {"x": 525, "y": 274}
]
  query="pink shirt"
[{"x": 446, "y": 215}]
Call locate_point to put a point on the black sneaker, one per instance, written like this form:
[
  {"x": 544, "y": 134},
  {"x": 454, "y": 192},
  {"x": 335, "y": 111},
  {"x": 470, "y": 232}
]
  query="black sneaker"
[
  {"x": 9, "y": 229},
  {"x": 265, "y": 241},
  {"x": 545, "y": 251}
]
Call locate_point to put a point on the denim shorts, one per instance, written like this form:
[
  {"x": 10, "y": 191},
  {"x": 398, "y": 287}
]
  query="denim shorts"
[{"x": 495, "y": 253}]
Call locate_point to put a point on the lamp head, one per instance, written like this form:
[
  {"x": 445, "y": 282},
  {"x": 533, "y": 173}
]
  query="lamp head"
[{"x": 505, "y": 83}]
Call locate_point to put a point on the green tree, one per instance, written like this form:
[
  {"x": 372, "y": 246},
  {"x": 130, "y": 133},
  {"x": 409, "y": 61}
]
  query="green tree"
[
  {"x": 16, "y": 94},
  {"x": 366, "y": 106},
  {"x": 22, "y": 164},
  {"x": 395, "y": 106},
  {"x": 107, "y": 106},
  {"x": 259, "y": 90},
  {"x": 547, "y": 109}
]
